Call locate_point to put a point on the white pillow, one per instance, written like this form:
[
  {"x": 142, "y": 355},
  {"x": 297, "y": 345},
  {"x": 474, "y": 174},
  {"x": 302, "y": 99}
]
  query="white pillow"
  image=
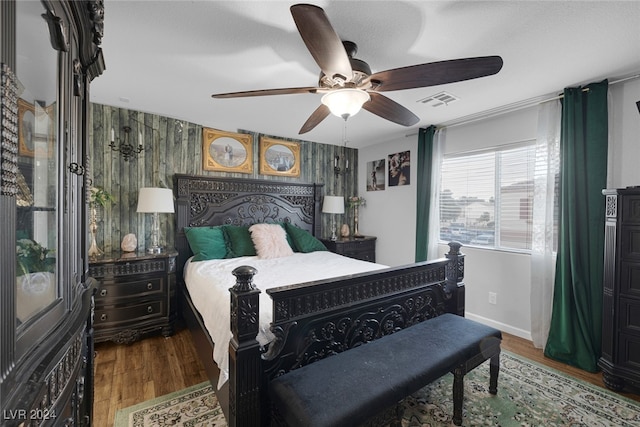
[{"x": 270, "y": 241}]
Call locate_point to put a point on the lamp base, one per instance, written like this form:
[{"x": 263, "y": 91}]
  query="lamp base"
[
  {"x": 155, "y": 250},
  {"x": 334, "y": 236}
]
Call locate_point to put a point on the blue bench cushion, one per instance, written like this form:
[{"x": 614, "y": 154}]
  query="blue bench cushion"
[{"x": 348, "y": 388}]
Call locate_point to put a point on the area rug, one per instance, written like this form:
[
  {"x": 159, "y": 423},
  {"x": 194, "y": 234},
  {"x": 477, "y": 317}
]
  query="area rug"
[
  {"x": 193, "y": 406},
  {"x": 529, "y": 394}
]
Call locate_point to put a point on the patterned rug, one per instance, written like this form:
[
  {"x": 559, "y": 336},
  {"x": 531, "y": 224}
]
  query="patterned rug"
[{"x": 529, "y": 394}]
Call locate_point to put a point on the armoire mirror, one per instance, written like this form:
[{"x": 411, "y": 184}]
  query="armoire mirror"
[{"x": 37, "y": 243}]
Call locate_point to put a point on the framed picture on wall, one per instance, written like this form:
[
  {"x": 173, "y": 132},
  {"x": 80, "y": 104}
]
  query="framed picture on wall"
[
  {"x": 226, "y": 151},
  {"x": 376, "y": 180},
  {"x": 399, "y": 168},
  {"x": 35, "y": 129},
  {"x": 278, "y": 157}
]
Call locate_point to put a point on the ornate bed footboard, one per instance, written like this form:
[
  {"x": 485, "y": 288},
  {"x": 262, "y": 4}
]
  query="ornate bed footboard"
[
  {"x": 310, "y": 320},
  {"x": 317, "y": 319}
]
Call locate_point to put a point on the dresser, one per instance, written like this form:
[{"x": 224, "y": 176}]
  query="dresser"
[
  {"x": 620, "y": 360},
  {"x": 136, "y": 295},
  {"x": 363, "y": 248}
]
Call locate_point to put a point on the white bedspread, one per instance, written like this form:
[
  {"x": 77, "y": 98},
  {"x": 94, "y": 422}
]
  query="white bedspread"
[{"x": 208, "y": 283}]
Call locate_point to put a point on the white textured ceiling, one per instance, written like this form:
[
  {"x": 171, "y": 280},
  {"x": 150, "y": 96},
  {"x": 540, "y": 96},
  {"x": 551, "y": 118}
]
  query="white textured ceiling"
[{"x": 168, "y": 57}]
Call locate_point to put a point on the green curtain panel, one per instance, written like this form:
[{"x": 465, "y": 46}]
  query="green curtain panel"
[
  {"x": 576, "y": 321},
  {"x": 425, "y": 158}
]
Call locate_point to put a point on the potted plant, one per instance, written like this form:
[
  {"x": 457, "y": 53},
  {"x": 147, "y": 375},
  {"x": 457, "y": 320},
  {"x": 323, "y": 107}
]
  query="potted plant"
[
  {"x": 33, "y": 258},
  {"x": 98, "y": 196}
]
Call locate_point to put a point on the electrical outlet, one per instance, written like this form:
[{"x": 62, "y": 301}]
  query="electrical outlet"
[{"x": 493, "y": 298}]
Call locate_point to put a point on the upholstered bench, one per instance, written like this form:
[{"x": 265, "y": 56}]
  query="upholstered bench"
[{"x": 365, "y": 384}]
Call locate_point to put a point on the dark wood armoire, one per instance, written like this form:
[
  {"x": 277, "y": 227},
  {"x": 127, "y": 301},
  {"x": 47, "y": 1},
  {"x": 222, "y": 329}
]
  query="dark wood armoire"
[
  {"x": 620, "y": 361},
  {"x": 49, "y": 53}
]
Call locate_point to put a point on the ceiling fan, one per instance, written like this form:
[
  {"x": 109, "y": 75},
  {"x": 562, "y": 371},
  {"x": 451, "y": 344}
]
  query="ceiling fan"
[{"x": 347, "y": 82}]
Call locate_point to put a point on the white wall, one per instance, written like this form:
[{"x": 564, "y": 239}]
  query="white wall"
[
  {"x": 507, "y": 274},
  {"x": 390, "y": 214},
  {"x": 624, "y": 134}
]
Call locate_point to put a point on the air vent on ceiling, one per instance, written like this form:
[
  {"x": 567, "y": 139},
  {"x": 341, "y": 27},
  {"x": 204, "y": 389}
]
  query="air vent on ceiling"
[{"x": 439, "y": 99}]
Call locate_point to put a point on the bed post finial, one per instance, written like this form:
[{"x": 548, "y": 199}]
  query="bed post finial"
[
  {"x": 244, "y": 351},
  {"x": 455, "y": 277},
  {"x": 244, "y": 278}
]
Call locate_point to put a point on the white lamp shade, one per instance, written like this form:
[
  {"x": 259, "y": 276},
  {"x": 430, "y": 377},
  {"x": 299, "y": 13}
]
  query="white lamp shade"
[
  {"x": 333, "y": 204},
  {"x": 345, "y": 102},
  {"x": 153, "y": 199}
]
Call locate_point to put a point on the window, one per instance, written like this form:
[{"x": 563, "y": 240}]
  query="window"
[{"x": 486, "y": 198}]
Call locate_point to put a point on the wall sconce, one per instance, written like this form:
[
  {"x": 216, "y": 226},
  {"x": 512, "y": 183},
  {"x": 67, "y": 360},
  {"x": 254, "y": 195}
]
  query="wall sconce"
[
  {"x": 336, "y": 165},
  {"x": 155, "y": 200},
  {"x": 125, "y": 148}
]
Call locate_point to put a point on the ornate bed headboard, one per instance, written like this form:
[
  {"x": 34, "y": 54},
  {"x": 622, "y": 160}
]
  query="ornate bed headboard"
[{"x": 208, "y": 200}]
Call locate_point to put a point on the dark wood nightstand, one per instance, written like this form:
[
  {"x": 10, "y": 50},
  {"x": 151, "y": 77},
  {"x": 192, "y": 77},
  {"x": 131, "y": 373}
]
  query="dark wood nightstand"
[
  {"x": 136, "y": 295},
  {"x": 363, "y": 248}
]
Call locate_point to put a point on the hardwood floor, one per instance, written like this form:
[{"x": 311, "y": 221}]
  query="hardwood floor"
[
  {"x": 129, "y": 374},
  {"x": 525, "y": 348}
]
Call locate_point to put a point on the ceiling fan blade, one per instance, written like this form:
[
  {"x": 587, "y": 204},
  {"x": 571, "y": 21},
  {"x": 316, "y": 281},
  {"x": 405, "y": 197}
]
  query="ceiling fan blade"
[
  {"x": 436, "y": 73},
  {"x": 265, "y": 92},
  {"x": 315, "y": 118},
  {"x": 388, "y": 109},
  {"x": 321, "y": 39}
]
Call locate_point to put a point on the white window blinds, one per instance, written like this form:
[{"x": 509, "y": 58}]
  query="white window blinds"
[{"x": 487, "y": 197}]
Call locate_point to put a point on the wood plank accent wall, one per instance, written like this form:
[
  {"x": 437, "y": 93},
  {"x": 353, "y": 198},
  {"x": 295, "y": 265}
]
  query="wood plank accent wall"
[{"x": 175, "y": 146}]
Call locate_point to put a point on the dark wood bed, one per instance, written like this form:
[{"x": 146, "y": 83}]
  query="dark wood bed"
[{"x": 310, "y": 320}]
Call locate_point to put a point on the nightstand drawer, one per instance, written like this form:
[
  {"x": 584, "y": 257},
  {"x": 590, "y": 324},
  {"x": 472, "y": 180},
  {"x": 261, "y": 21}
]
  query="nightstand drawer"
[
  {"x": 360, "y": 248},
  {"x": 139, "y": 288},
  {"x": 353, "y": 246},
  {"x": 130, "y": 313},
  {"x": 362, "y": 254},
  {"x": 129, "y": 268}
]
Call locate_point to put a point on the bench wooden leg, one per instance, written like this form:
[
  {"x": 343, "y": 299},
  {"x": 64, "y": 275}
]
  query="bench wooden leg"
[
  {"x": 494, "y": 369},
  {"x": 458, "y": 394}
]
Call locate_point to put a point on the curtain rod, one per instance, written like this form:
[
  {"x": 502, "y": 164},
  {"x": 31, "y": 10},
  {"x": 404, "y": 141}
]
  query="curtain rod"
[
  {"x": 586, "y": 89},
  {"x": 512, "y": 107}
]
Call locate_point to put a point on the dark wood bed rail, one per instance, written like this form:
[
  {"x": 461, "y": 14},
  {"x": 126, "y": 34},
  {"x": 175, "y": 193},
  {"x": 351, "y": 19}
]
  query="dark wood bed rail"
[{"x": 316, "y": 319}]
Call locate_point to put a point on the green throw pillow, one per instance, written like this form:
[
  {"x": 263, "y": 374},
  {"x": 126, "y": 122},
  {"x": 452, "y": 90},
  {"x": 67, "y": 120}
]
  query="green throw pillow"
[
  {"x": 303, "y": 241},
  {"x": 206, "y": 243},
  {"x": 239, "y": 239},
  {"x": 289, "y": 240}
]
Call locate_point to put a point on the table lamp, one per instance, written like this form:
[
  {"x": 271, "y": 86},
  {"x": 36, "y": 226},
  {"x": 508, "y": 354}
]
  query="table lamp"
[
  {"x": 155, "y": 200},
  {"x": 333, "y": 205}
]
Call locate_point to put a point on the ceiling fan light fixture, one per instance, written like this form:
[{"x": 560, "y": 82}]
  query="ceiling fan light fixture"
[{"x": 345, "y": 102}]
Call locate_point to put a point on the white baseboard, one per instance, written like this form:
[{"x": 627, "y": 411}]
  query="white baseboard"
[{"x": 502, "y": 326}]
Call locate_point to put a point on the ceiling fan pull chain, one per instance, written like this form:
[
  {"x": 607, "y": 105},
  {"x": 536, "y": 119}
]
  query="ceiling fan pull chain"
[
  {"x": 344, "y": 142},
  {"x": 344, "y": 134}
]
